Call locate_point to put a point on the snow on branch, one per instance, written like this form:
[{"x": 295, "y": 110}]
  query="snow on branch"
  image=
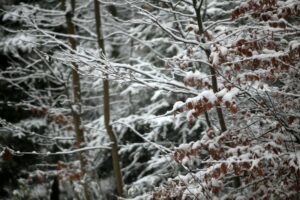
[{"x": 8, "y": 153}]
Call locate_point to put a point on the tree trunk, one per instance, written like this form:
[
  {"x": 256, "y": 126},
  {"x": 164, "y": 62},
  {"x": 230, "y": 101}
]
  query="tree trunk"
[
  {"x": 55, "y": 189},
  {"x": 212, "y": 70},
  {"x": 76, "y": 103},
  {"x": 108, "y": 127},
  {"x": 213, "y": 73}
]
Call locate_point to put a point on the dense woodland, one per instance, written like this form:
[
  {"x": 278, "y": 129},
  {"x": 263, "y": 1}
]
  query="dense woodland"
[{"x": 150, "y": 99}]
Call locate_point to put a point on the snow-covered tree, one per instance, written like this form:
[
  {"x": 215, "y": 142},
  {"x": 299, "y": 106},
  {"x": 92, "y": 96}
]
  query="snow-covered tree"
[
  {"x": 246, "y": 82},
  {"x": 203, "y": 97}
]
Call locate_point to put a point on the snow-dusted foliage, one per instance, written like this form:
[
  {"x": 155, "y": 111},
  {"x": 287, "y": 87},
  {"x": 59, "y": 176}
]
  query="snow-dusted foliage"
[
  {"x": 254, "y": 58},
  {"x": 204, "y": 97}
]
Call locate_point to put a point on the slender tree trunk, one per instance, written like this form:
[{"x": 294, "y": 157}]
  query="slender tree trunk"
[
  {"x": 76, "y": 103},
  {"x": 236, "y": 180},
  {"x": 212, "y": 70},
  {"x": 55, "y": 189},
  {"x": 109, "y": 130}
]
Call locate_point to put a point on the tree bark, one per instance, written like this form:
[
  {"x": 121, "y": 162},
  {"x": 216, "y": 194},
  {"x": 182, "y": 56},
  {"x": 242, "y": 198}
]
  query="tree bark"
[
  {"x": 212, "y": 70},
  {"x": 236, "y": 180},
  {"x": 76, "y": 104},
  {"x": 55, "y": 189},
  {"x": 106, "y": 106}
]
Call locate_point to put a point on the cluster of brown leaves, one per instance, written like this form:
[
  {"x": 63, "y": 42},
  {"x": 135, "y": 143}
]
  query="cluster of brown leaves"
[
  {"x": 39, "y": 111},
  {"x": 200, "y": 106},
  {"x": 71, "y": 176},
  {"x": 175, "y": 189},
  {"x": 294, "y": 53},
  {"x": 180, "y": 154},
  {"x": 288, "y": 11},
  {"x": 191, "y": 149},
  {"x": 162, "y": 194},
  {"x": 280, "y": 24},
  {"x": 264, "y": 15},
  {"x": 273, "y": 65},
  {"x": 67, "y": 171},
  {"x": 257, "y": 6},
  {"x": 7, "y": 154},
  {"x": 203, "y": 105},
  {"x": 57, "y": 118},
  {"x": 197, "y": 83},
  {"x": 264, "y": 10}
]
